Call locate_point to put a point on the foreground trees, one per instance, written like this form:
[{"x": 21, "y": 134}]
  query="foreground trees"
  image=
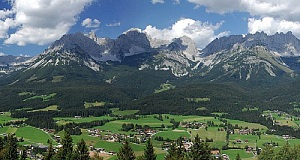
[
  {"x": 149, "y": 151},
  {"x": 199, "y": 150},
  {"x": 8, "y": 146},
  {"x": 68, "y": 153},
  {"x": 286, "y": 152},
  {"x": 50, "y": 153},
  {"x": 125, "y": 152},
  {"x": 82, "y": 151}
]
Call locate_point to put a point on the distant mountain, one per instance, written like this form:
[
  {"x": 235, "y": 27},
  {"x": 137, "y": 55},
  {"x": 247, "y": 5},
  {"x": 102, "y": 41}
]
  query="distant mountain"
[
  {"x": 285, "y": 45},
  {"x": 236, "y": 57},
  {"x": 253, "y": 55},
  {"x": 179, "y": 57},
  {"x": 9, "y": 63}
]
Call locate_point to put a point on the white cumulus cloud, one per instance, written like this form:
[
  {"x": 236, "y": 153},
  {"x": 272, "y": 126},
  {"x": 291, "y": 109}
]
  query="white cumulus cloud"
[
  {"x": 157, "y": 1},
  {"x": 218, "y": 6},
  {"x": 270, "y": 16},
  {"x": 89, "y": 23},
  {"x": 201, "y": 33},
  {"x": 39, "y": 21},
  {"x": 4, "y": 27},
  {"x": 279, "y": 8},
  {"x": 270, "y": 26}
]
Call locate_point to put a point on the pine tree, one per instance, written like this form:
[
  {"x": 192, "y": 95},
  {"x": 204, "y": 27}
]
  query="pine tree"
[
  {"x": 295, "y": 151},
  {"x": 149, "y": 151},
  {"x": 200, "y": 150},
  {"x": 171, "y": 152},
  {"x": 82, "y": 152},
  {"x": 285, "y": 152},
  {"x": 65, "y": 153},
  {"x": 50, "y": 152},
  {"x": 176, "y": 151},
  {"x": 267, "y": 153},
  {"x": 125, "y": 152},
  {"x": 10, "y": 148}
]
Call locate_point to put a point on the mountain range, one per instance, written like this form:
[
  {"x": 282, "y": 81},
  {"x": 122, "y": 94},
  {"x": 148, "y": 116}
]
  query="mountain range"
[
  {"x": 239, "y": 56},
  {"x": 134, "y": 65}
]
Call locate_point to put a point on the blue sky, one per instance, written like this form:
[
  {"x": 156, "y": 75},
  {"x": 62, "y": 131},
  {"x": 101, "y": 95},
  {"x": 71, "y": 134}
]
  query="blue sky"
[{"x": 29, "y": 27}]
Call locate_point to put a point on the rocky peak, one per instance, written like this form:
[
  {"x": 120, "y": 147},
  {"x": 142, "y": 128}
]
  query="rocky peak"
[
  {"x": 130, "y": 43},
  {"x": 71, "y": 41},
  {"x": 223, "y": 43},
  {"x": 186, "y": 45},
  {"x": 281, "y": 43},
  {"x": 135, "y": 37}
]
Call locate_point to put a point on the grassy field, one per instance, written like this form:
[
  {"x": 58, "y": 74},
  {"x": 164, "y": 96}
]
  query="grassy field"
[
  {"x": 284, "y": 119},
  {"x": 270, "y": 138},
  {"x": 252, "y": 139},
  {"x": 26, "y": 93},
  {"x": 57, "y": 78},
  {"x": 64, "y": 120},
  {"x": 30, "y": 134},
  {"x": 50, "y": 108},
  {"x": 114, "y": 127},
  {"x": 94, "y": 104},
  {"x": 33, "y": 135},
  {"x": 164, "y": 87},
  {"x": 5, "y": 117},
  {"x": 218, "y": 137},
  {"x": 43, "y": 97},
  {"x": 232, "y": 153},
  {"x": 201, "y": 109},
  {"x": 116, "y": 111},
  {"x": 247, "y": 124},
  {"x": 197, "y": 100},
  {"x": 250, "y": 109},
  {"x": 192, "y": 118},
  {"x": 149, "y": 120},
  {"x": 173, "y": 134}
]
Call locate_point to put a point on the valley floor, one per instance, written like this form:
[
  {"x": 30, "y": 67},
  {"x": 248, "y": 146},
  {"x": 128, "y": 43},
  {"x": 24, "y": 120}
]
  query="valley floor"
[{"x": 242, "y": 138}]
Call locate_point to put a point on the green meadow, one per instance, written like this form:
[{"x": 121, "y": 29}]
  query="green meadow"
[
  {"x": 94, "y": 104},
  {"x": 50, "y": 108},
  {"x": 43, "y": 97},
  {"x": 64, "y": 120},
  {"x": 116, "y": 111},
  {"x": 30, "y": 135}
]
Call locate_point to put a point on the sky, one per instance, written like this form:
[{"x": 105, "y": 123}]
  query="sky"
[{"x": 28, "y": 27}]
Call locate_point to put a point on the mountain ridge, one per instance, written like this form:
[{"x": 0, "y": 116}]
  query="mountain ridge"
[{"x": 237, "y": 56}]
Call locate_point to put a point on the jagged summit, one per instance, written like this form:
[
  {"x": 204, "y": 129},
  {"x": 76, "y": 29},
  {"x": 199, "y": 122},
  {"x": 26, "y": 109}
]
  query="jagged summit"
[
  {"x": 283, "y": 44},
  {"x": 70, "y": 41}
]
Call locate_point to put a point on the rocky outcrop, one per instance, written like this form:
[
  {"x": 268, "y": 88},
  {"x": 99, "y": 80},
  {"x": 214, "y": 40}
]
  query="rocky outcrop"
[{"x": 283, "y": 44}]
